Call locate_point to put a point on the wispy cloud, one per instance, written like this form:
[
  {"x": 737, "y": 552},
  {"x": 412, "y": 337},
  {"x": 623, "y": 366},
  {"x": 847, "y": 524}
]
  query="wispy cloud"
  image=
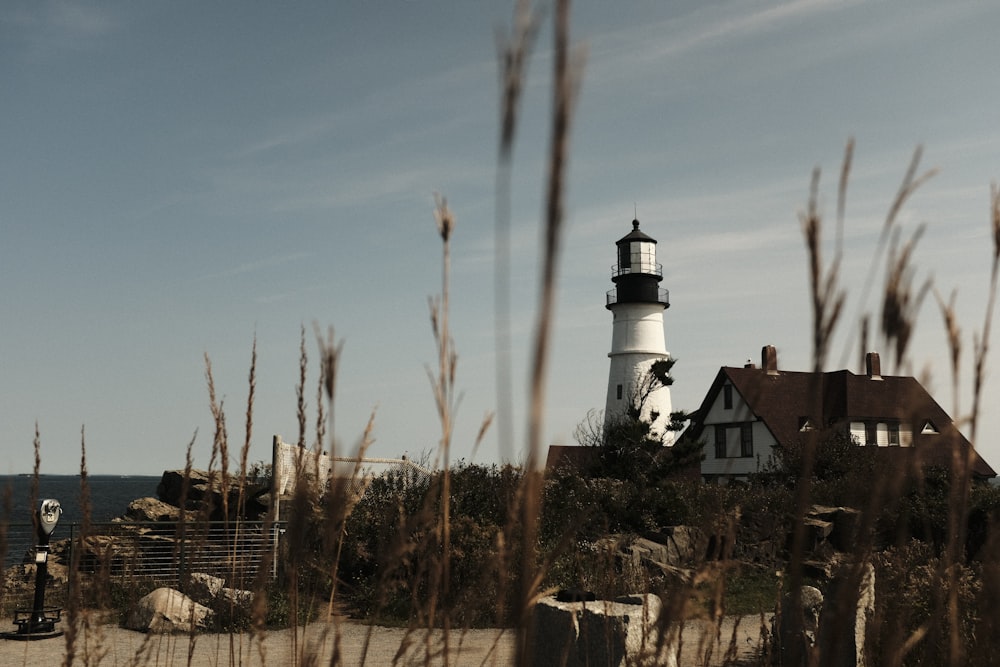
[
  {"x": 747, "y": 25},
  {"x": 258, "y": 265},
  {"x": 290, "y": 135},
  {"x": 47, "y": 28}
]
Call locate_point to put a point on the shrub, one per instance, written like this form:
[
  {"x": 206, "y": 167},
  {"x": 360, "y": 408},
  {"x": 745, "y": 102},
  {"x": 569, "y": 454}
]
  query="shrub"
[
  {"x": 392, "y": 548},
  {"x": 909, "y": 599}
]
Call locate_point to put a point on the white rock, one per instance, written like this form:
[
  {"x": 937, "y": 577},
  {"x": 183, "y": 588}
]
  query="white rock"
[{"x": 167, "y": 610}]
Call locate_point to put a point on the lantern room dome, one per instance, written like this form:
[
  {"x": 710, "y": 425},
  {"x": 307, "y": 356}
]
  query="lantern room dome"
[{"x": 636, "y": 235}]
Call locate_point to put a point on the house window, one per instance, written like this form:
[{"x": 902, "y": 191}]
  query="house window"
[
  {"x": 727, "y": 396},
  {"x": 720, "y": 442},
  {"x": 746, "y": 440},
  {"x": 619, "y": 392},
  {"x": 857, "y": 432},
  {"x": 871, "y": 433},
  {"x": 893, "y": 434}
]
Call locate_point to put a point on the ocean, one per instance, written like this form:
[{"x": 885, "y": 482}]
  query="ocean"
[{"x": 109, "y": 495}]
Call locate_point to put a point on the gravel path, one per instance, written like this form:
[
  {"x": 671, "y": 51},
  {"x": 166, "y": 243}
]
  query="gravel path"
[{"x": 112, "y": 646}]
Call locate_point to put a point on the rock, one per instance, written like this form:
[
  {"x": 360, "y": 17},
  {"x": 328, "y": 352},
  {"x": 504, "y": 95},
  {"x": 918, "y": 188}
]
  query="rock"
[
  {"x": 151, "y": 509},
  {"x": 107, "y": 553},
  {"x": 847, "y": 610},
  {"x": 644, "y": 549},
  {"x": 199, "y": 484},
  {"x": 575, "y": 595},
  {"x": 672, "y": 548},
  {"x": 798, "y": 626},
  {"x": 624, "y": 631},
  {"x": 838, "y": 525},
  {"x": 212, "y": 591},
  {"x": 818, "y": 529},
  {"x": 204, "y": 587},
  {"x": 236, "y": 596},
  {"x": 846, "y": 526},
  {"x": 166, "y": 610},
  {"x": 206, "y": 491},
  {"x": 686, "y": 545}
]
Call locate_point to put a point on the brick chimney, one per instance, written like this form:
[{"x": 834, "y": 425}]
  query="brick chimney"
[
  {"x": 769, "y": 359},
  {"x": 873, "y": 367}
]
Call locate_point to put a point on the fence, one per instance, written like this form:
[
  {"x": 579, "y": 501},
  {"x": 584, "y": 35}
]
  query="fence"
[
  {"x": 163, "y": 553},
  {"x": 289, "y": 463}
]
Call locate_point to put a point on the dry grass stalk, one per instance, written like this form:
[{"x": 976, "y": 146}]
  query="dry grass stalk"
[
  {"x": 443, "y": 386},
  {"x": 565, "y": 83},
  {"x": 900, "y": 304},
  {"x": 513, "y": 54},
  {"x": 6, "y": 510},
  {"x": 300, "y": 389}
]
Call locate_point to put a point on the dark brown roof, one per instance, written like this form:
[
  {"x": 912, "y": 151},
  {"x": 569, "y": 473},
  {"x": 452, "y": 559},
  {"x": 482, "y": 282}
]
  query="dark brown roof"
[
  {"x": 577, "y": 457},
  {"x": 783, "y": 399}
]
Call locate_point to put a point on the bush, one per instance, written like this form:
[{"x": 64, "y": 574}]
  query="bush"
[
  {"x": 910, "y": 600},
  {"x": 393, "y": 546}
]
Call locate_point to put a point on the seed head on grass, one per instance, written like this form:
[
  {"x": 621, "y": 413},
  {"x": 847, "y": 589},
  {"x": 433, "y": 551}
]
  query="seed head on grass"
[{"x": 900, "y": 302}]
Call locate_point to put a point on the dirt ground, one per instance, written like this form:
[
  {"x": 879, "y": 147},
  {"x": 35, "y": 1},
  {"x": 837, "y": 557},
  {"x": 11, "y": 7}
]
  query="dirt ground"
[{"x": 112, "y": 646}]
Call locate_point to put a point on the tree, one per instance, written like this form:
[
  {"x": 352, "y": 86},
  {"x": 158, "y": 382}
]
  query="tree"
[{"x": 629, "y": 447}]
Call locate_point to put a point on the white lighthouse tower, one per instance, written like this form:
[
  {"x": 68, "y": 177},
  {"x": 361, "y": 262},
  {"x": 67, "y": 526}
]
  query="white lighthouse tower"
[{"x": 637, "y": 303}]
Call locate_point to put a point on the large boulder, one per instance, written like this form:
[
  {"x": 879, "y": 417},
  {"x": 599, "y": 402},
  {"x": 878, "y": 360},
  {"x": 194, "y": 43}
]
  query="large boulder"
[
  {"x": 166, "y": 610},
  {"x": 624, "y": 631}
]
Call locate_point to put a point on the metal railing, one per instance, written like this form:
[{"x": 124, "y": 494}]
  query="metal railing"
[
  {"x": 161, "y": 552},
  {"x": 662, "y": 296},
  {"x": 647, "y": 267}
]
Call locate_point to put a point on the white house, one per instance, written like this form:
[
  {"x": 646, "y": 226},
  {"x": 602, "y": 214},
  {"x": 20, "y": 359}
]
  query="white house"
[{"x": 749, "y": 410}]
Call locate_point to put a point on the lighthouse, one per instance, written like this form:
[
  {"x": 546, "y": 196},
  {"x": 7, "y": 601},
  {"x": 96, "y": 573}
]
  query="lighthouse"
[{"x": 637, "y": 303}]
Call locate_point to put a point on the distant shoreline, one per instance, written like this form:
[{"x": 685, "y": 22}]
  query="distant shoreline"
[{"x": 90, "y": 475}]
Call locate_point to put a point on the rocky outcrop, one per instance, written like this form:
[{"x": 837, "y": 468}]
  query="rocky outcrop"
[
  {"x": 166, "y": 610},
  {"x": 623, "y": 631},
  {"x": 205, "y": 492},
  {"x": 151, "y": 509}
]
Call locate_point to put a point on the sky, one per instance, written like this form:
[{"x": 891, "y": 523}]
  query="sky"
[{"x": 179, "y": 179}]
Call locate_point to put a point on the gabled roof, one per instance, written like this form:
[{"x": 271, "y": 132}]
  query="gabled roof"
[{"x": 785, "y": 400}]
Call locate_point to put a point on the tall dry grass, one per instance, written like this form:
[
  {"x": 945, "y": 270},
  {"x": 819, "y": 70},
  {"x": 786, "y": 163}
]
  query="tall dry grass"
[{"x": 422, "y": 580}]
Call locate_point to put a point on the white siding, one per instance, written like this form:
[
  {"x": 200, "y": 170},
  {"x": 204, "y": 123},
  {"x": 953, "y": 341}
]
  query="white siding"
[
  {"x": 733, "y": 464},
  {"x": 719, "y": 414},
  {"x": 637, "y": 341}
]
